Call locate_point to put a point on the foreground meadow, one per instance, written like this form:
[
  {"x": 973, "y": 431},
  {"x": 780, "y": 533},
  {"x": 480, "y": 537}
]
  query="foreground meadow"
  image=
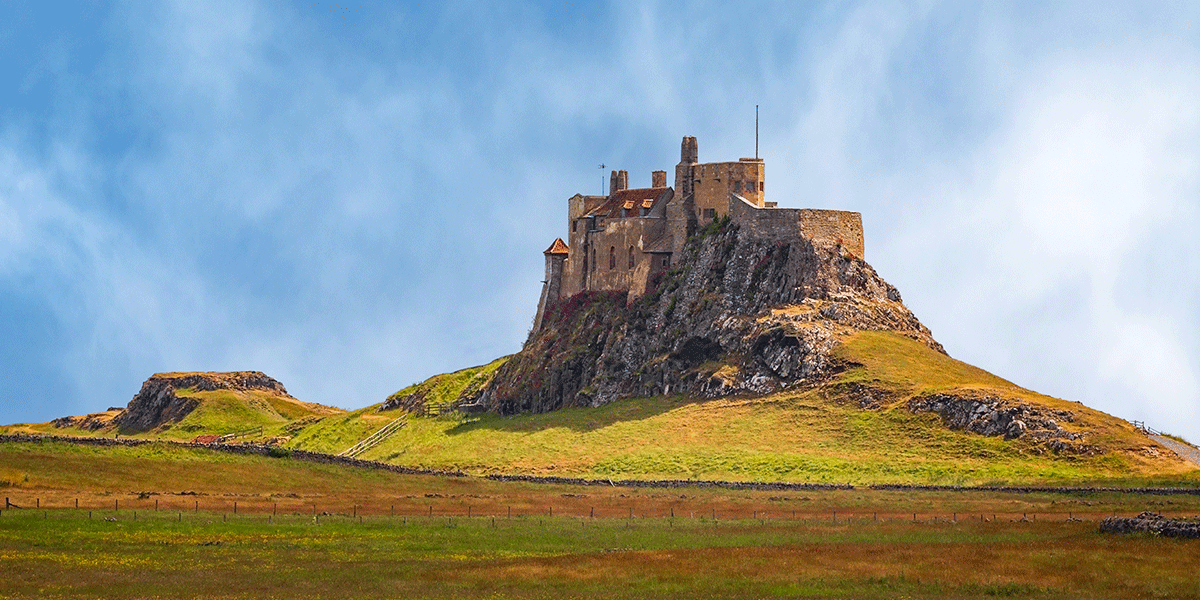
[
  {"x": 64, "y": 553},
  {"x": 170, "y": 522}
]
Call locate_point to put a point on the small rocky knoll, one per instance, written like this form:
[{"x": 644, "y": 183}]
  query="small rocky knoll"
[
  {"x": 738, "y": 315},
  {"x": 157, "y": 403},
  {"x": 1153, "y": 523}
]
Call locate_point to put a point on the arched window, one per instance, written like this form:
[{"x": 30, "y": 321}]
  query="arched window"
[
  {"x": 631, "y": 257},
  {"x": 612, "y": 257}
]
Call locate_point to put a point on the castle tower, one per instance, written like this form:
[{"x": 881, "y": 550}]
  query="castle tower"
[
  {"x": 689, "y": 155},
  {"x": 556, "y": 255}
]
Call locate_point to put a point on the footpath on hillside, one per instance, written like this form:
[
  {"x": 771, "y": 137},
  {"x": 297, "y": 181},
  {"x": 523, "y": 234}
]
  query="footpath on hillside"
[{"x": 1186, "y": 451}]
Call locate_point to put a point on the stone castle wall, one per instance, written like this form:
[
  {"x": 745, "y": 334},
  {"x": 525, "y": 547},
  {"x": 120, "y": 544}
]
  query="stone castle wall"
[
  {"x": 609, "y": 255},
  {"x": 713, "y": 182},
  {"x": 821, "y": 227},
  {"x": 830, "y": 226}
]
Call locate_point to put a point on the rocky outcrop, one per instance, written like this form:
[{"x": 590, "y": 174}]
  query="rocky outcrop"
[
  {"x": 89, "y": 422},
  {"x": 990, "y": 415},
  {"x": 157, "y": 403},
  {"x": 737, "y": 315}
]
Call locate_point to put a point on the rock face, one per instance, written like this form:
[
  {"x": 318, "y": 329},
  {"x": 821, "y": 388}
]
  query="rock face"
[
  {"x": 157, "y": 403},
  {"x": 994, "y": 416},
  {"x": 737, "y": 314}
]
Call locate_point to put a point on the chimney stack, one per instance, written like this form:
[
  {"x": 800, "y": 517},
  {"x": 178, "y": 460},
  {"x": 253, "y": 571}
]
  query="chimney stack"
[
  {"x": 617, "y": 181},
  {"x": 658, "y": 179}
]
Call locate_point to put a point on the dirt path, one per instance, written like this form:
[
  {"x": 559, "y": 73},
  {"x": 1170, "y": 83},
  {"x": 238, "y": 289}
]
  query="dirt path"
[{"x": 1184, "y": 450}]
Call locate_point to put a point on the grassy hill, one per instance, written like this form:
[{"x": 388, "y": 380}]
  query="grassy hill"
[
  {"x": 817, "y": 434},
  {"x": 268, "y": 412},
  {"x": 858, "y": 426}
]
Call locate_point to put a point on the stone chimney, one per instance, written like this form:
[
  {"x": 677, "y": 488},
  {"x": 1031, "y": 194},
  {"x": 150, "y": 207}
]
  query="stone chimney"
[
  {"x": 617, "y": 181},
  {"x": 658, "y": 179}
]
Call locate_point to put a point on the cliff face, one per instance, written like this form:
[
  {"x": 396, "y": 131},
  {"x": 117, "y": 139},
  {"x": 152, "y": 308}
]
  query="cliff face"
[
  {"x": 736, "y": 315},
  {"x": 157, "y": 403}
]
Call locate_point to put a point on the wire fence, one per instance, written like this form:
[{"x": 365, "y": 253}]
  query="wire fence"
[{"x": 207, "y": 509}]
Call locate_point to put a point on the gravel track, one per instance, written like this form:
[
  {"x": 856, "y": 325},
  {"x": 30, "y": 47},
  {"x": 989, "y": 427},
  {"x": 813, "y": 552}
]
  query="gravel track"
[{"x": 1184, "y": 450}]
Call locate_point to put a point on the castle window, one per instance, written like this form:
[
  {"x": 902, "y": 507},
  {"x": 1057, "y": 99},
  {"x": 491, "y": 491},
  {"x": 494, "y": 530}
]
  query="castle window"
[
  {"x": 612, "y": 257},
  {"x": 750, "y": 186},
  {"x": 574, "y": 226},
  {"x": 631, "y": 261},
  {"x": 710, "y": 214},
  {"x": 737, "y": 187}
]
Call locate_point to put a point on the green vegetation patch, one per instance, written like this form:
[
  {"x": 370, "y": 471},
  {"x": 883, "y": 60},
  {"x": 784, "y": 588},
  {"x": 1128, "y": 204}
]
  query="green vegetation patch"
[
  {"x": 905, "y": 366},
  {"x": 819, "y": 434},
  {"x": 441, "y": 390}
]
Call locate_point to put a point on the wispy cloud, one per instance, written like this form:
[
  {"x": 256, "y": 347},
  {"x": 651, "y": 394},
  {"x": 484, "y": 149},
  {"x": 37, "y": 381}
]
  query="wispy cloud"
[{"x": 351, "y": 202}]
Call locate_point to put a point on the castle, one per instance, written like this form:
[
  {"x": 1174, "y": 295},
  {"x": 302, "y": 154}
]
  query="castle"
[{"x": 619, "y": 242}]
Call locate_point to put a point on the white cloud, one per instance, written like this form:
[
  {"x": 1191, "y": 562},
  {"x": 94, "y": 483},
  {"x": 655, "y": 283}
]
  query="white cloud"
[
  {"x": 1031, "y": 260},
  {"x": 351, "y": 207}
]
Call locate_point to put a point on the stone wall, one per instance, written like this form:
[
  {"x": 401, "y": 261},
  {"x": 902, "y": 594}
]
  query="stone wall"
[
  {"x": 551, "y": 287},
  {"x": 768, "y": 224},
  {"x": 608, "y": 252},
  {"x": 830, "y": 226},
  {"x": 573, "y": 276},
  {"x": 713, "y": 182},
  {"x": 826, "y": 228}
]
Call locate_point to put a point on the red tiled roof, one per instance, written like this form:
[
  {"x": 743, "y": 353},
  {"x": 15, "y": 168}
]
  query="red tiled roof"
[
  {"x": 627, "y": 200},
  {"x": 558, "y": 247}
]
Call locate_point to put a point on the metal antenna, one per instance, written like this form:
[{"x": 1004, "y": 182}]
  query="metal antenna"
[
  {"x": 755, "y": 132},
  {"x": 602, "y": 179}
]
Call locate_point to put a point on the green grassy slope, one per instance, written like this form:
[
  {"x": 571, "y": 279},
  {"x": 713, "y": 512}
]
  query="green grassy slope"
[
  {"x": 816, "y": 435},
  {"x": 218, "y": 412},
  {"x": 337, "y": 433}
]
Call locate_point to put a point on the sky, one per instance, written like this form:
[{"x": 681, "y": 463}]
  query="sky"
[{"x": 352, "y": 197}]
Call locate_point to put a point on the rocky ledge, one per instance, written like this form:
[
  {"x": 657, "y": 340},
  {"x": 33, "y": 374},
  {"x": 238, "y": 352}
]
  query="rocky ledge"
[
  {"x": 994, "y": 416},
  {"x": 157, "y": 403}
]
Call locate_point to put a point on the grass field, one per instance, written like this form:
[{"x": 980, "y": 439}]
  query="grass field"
[{"x": 380, "y": 534}]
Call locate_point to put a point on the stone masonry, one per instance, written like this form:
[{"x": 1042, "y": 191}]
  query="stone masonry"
[{"x": 622, "y": 241}]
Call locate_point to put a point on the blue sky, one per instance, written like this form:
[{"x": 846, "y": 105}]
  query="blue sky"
[{"x": 352, "y": 197}]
